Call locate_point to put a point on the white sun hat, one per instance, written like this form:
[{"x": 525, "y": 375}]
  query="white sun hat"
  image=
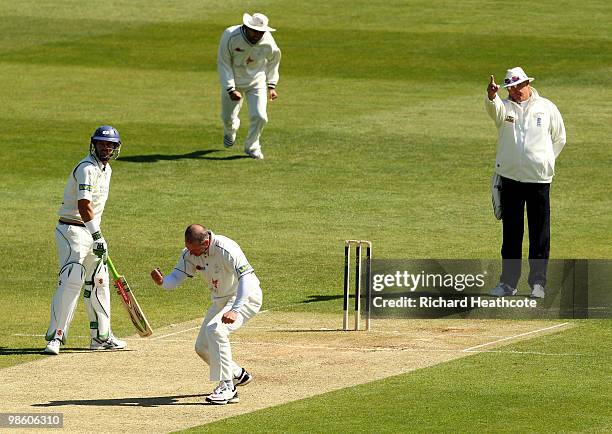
[
  {"x": 257, "y": 22},
  {"x": 516, "y": 76}
]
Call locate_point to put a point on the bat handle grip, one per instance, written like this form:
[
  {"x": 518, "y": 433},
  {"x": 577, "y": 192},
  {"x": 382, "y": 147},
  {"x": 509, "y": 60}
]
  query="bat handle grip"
[{"x": 112, "y": 268}]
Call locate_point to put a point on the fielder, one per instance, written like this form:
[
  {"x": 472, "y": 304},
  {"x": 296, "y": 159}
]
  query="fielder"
[
  {"x": 82, "y": 249},
  {"x": 247, "y": 62},
  {"x": 236, "y": 298}
]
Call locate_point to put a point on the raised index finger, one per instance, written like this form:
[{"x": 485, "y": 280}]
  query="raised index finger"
[{"x": 492, "y": 80}]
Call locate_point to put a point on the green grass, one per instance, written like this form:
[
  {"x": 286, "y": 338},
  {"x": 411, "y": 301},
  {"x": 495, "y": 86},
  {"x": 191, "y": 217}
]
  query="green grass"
[
  {"x": 562, "y": 386},
  {"x": 379, "y": 133}
]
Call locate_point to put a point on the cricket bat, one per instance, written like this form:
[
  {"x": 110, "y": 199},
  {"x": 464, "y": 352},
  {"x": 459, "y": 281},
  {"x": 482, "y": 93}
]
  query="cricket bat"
[{"x": 129, "y": 301}]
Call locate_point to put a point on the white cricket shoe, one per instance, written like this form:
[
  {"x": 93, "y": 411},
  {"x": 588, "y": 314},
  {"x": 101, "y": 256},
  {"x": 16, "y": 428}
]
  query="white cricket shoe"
[
  {"x": 112, "y": 343},
  {"x": 256, "y": 154},
  {"x": 229, "y": 140},
  {"x": 502, "y": 290},
  {"x": 53, "y": 347},
  {"x": 537, "y": 291},
  {"x": 243, "y": 379},
  {"x": 223, "y": 394}
]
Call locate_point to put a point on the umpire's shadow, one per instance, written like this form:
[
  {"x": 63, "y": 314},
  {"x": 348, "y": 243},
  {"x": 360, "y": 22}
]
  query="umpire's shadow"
[
  {"x": 196, "y": 155},
  {"x": 154, "y": 401}
]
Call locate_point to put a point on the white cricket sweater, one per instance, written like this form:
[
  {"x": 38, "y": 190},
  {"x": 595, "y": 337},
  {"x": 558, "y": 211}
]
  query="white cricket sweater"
[{"x": 530, "y": 137}]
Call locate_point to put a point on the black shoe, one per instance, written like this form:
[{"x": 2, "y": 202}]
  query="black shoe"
[{"x": 243, "y": 379}]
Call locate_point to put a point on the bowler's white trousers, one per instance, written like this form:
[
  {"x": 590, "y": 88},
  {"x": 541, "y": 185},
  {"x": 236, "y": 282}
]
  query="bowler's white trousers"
[
  {"x": 213, "y": 344},
  {"x": 257, "y": 100}
]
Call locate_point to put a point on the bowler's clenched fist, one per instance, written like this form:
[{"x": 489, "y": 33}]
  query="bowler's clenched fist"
[{"x": 157, "y": 276}]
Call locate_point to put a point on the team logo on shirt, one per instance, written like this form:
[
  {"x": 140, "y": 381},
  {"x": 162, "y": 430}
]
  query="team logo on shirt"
[
  {"x": 249, "y": 60},
  {"x": 238, "y": 49},
  {"x": 85, "y": 187},
  {"x": 510, "y": 119},
  {"x": 539, "y": 117},
  {"x": 243, "y": 269},
  {"x": 215, "y": 283}
]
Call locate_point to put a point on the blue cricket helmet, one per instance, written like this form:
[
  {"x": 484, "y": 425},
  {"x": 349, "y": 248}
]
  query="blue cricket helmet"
[{"x": 105, "y": 133}]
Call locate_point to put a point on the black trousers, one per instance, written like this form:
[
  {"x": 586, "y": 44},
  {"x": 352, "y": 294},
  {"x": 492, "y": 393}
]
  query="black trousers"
[{"x": 514, "y": 196}]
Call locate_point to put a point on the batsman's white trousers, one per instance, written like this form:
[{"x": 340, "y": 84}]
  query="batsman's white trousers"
[
  {"x": 212, "y": 343},
  {"x": 257, "y": 100},
  {"x": 78, "y": 266}
]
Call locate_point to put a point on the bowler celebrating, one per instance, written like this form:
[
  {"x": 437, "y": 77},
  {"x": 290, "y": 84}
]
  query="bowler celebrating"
[{"x": 236, "y": 297}]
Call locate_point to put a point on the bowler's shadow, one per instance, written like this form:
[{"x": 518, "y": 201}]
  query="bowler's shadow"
[
  {"x": 154, "y": 401},
  {"x": 196, "y": 155}
]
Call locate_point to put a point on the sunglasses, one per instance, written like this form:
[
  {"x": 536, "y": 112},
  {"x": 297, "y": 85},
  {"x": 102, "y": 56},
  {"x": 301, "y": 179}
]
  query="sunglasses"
[{"x": 514, "y": 79}]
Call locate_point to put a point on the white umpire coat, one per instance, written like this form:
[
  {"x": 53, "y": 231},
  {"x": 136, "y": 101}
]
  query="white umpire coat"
[{"x": 530, "y": 137}]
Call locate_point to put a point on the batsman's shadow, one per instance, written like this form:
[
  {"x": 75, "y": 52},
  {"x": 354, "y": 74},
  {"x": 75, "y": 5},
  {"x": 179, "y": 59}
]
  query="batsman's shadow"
[
  {"x": 153, "y": 401},
  {"x": 197, "y": 155}
]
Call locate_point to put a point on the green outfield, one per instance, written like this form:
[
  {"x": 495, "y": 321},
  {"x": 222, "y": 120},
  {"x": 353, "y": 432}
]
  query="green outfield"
[{"x": 379, "y": 133}]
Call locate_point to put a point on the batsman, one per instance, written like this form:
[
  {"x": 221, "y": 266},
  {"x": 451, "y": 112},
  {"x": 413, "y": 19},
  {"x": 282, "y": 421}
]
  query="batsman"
[
  {"x": 236, "y": 297},
  {"x": 82, "y": 249}
]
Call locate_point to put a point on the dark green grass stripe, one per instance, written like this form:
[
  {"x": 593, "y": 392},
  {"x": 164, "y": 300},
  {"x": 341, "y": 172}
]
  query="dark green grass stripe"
[{"x": 393, "y": 54}]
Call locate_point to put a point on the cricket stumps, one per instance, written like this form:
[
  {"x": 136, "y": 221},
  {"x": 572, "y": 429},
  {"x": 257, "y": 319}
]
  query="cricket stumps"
[{"x": 358, "y": 244}]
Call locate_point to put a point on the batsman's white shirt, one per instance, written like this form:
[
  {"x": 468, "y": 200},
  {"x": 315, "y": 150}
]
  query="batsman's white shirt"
[
  {"x": 222, "y": 268},
  {"x": 89, "y": 180},
  {"x": 242, "y": 64}
]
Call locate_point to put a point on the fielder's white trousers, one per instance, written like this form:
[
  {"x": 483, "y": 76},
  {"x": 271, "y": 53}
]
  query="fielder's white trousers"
[
  {"x": 257, "y": 100},
  {"x": 212, "y": 343},
  {"x": 78, "y": 266}
]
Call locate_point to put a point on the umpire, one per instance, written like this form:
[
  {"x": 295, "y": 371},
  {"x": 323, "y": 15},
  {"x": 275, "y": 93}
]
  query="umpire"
[{"x": 530, "y": 136}]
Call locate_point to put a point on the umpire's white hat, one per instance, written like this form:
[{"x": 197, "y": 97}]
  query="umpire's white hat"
[
  {"x": 257, "y": 22},
  {"x": 516, "y": 76}
]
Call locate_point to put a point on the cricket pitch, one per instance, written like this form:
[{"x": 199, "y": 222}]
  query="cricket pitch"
[{"x": 159, "y": 384}]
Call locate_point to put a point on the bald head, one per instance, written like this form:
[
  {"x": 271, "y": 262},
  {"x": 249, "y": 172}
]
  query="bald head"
[
  {"x": 197, "y": 239},
  {"x": 196, "y": 233}
]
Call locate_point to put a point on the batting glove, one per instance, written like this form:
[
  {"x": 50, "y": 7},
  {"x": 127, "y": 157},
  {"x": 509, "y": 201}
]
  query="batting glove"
[{"x": 100, "y": 248}]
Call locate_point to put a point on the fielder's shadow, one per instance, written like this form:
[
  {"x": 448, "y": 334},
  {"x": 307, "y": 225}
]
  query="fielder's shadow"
[
  {"x": 154, "y": 401},
  {"x": 196, "y": 155}
]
